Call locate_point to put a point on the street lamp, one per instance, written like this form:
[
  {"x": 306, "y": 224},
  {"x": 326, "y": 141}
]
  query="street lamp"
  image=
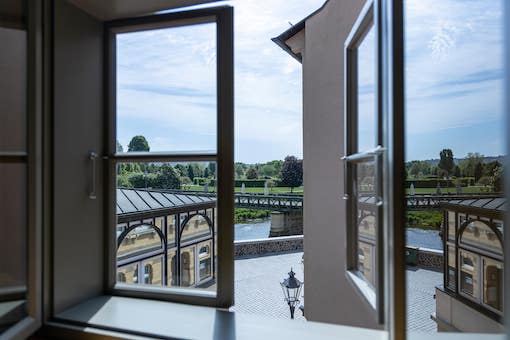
[{"x": 291, "y": 288}]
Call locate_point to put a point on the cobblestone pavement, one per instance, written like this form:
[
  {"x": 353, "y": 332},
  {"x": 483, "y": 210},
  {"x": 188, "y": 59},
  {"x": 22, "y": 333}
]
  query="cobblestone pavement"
[
  {"x": 421, "y": 285},
  {"x": 257, "y": 289}
]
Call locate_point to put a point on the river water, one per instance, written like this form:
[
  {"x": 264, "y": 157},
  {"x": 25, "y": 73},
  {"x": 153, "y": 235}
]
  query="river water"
[{"x": 415, "y": 237}]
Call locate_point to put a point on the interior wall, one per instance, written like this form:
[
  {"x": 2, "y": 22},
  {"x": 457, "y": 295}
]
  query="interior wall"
[
  {"x": 329, "y": 296},
  {"x": 77, "y": 130}
]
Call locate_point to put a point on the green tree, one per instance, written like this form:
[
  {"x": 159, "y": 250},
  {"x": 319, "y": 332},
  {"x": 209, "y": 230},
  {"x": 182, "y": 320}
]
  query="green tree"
[
  {"x": 446, "y": 163},
  {"x": 478, "y": 171},
  {"x": 212, "y": 168},
  {"x": 456, "y": 171},
  {"x": 252, "y": 173},
  {"x": 497, "y": 179},
  {"x": 119, "y": 147},
  {"x": 239, "y": 169},
  {"x": 191, "y": 172},
  {"x": 181, "y": 169},
  {"x": 268, "y": 170},
  {"x": 468, "y": 164},
  {"x": 138, "y": 143},
  {"x": 292, "y": 172},
  {"x": 206, "y": 173},
  {"x": 167, "y": 178}
]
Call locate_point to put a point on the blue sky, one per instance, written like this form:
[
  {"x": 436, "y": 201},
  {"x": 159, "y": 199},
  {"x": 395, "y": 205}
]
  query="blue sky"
[{"x": 166, "y": 81}]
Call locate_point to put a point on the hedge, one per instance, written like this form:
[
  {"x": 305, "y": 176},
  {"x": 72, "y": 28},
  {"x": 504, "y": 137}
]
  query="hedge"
[
  {"x": 250, "y": 183},
  {"x": 445, "y": 183}
]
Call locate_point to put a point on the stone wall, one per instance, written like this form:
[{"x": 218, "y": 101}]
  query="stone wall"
[
  {"x": 268, "y": 245},
  {"x": 430, "y": 258}
]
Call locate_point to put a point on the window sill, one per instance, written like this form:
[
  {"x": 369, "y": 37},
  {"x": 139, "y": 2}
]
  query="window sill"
[
  {"x": 168, "y": 320},
  {"x": 107, "y": 317}
]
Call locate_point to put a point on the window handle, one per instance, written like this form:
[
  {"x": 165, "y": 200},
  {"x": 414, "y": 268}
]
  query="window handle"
[{"x": 93, "y": 159}]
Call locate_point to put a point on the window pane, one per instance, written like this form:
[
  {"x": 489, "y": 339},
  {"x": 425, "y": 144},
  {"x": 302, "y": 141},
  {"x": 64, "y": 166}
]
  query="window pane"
[
  {"x": 493, "y": 283},
  {"x": 166, "y": 89},
  {"x": 451, "y": 225},
  {"x": 172, "y": 269},
  {"x": 469, "y": 271},
  {"x": 188, "y": 266},
  {"x": 13, "y": 89},
  {"x": 153, "y": 271},
  {"x": 128, "y": 274},
  {"x": 141, "y": 239},
  {"x": 480, "y": 235},
  {"x": 367, "y": 114},
  {"x": 367, "y": 220},
  {"x": 451, "y": 268},
  {"x": 181, "y": 197}
]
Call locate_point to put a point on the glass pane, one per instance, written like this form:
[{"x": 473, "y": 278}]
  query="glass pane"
[
  {"x": 197, "y": 227},
  {"x": 451, "y": 269},
  {"x": 205, "y": 260},
  {"x": 480, "y": 235},
  {"x": 182, "y": 213},
  {"x": 13, "y": 89},
  {"x": 451, "y": 225},
  {"x": 142, "y": 239},
  {"x": 188, "y": 266},
  {"x": 170, "y": 229},
  {"x": 128, "y": 274},
  {"x": 166, "y": 89},
  {"x": 469, "y": 273},
  {"x": 367, "y": 114},
  {"x": 153, "y": 271},
  {"x": 493, "y": 283},
  {"x": 172, "y": 268},
  {"x": 366, "y": 219}
]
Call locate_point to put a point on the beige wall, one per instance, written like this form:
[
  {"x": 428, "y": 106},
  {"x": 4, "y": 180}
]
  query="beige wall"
[{"x": 329, "y": 296}]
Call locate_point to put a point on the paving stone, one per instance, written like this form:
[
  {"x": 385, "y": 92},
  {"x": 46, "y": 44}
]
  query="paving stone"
[{"x": 258, "y": 291}]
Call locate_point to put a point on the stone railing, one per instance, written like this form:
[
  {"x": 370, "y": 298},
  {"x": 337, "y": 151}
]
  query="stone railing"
[{"x": 268, "y": 245}]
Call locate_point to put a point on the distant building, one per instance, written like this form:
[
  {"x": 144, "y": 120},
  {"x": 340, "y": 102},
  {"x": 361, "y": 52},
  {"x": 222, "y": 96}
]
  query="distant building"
[{"x": 471, "y": 298}]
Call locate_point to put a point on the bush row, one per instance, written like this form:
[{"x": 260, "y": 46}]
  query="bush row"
[{"x": 432, "y": 182}]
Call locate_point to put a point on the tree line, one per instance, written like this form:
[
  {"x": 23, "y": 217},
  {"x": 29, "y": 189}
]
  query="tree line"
[
  {"x": 488, "y": 174},
  {"x": 288, "y": 173}
]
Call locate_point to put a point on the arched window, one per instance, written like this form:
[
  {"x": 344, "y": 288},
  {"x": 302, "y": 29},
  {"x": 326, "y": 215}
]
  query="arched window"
[
  {"x": 480, "y": 235},
  {"x": 196, "y": 227},
  {"x": 139, "y": 239},
  {"x": 187, "y": 267}
]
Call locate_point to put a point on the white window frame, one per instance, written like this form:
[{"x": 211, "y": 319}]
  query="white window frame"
[{"x": 222, "y": 16}]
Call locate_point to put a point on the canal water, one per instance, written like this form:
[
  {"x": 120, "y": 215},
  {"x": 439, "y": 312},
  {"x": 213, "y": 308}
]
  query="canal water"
[{"x": 415, "y": 237}]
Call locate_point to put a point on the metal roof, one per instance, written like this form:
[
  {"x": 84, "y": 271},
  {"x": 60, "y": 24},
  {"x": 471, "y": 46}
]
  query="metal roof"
[
  {"x": 132, "y": 201},
  {"x": 493, "y": 204}
]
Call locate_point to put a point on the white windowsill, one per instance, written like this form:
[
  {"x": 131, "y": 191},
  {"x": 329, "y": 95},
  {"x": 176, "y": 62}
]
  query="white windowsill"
[
  {"x": 107, "y": 314},
  {"x": 173, "y": 320}
]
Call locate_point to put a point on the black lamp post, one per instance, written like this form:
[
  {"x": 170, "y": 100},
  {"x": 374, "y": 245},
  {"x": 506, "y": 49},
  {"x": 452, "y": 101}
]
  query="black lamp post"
[{"x": 291, "y": 288}]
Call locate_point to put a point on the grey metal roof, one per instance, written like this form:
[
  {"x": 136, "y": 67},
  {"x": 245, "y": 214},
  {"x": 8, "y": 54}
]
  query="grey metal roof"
[
  {"x": 141, "y": 200},
  {"x": 494, "y": 203}
]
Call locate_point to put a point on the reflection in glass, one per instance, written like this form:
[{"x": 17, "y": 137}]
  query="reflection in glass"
[
  {"x": 480, "y": 235},
  {"x": 141, "y": 238},
  {"x": 196, "y": 227},
  {"x": 451, "y": 225},
  {"x": 128, "y": 274},
  {"x": 469, "y": 270},
  {"x": 188, "y": 266},
  {"x": 366, "y": 219},
  {"x": 493, "y": 283},
  {"x": 367, "y": 114},
  {"x": 451, "y": 269},
  {"x": 153, "y": 271},
  {"x": 205, "y": 260}
]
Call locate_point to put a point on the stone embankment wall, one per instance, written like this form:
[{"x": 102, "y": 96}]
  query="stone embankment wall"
[
  {"x": 268, "y": 245},
  {"x": 430, "y": 258},
  {"x": 427, "y": 258}
]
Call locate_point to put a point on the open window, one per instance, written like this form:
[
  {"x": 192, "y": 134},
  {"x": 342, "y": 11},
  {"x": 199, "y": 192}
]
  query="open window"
[
  {"x": 163, "y": 242},
  {"x": 363, "y": 161}
]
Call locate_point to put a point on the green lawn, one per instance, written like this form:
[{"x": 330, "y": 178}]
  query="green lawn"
[{"x": 278, "y": 190}]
